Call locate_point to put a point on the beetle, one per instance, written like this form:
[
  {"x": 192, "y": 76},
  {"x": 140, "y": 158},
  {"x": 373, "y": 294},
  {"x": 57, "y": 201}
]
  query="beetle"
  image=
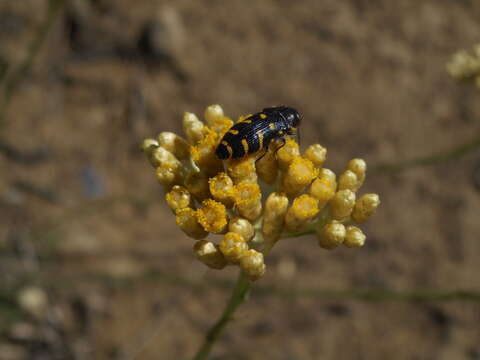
[{"x": 255, "y": 132}]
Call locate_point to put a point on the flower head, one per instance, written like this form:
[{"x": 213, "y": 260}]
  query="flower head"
[
  {"x": 465, "y": 65},
  {"x": 224, "y": 198}
]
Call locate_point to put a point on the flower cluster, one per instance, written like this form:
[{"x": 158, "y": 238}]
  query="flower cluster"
[
  {"x": 209, "y": 196},
  {"x": 466, "y": 65}
]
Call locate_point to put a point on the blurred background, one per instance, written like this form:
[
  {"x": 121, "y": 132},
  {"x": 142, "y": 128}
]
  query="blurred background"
[{"x": 92, "y": 264}]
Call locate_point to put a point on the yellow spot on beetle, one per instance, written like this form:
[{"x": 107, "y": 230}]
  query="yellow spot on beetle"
[
  {"x": 230, "y": 151},
  {"x": 280, "y": 132},
  {"x": 233, "y": 131},
  {"x": 247, "y": 121},
  {"x": 263, "y": 116},
  {"x": 272, "y": 126},
  {"x": 245, "y": 146},
  {"x": 224, "y": 143}
]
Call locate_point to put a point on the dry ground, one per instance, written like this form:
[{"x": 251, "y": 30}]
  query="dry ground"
[{"x": 83, "y": 218}]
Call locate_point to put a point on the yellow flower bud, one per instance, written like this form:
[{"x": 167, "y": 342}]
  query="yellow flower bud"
[
  {"x": 243, "y": 170},
  {"x": 160, "y": 156},
  {"x": 213, "y": 113},
  {"x": 187, "y": 221},
  {"x": 323, "y": 188},
  {"x": 465, "y": 65},
  {"x": 209, "y": 254},
  {"x": 317, "y": 154},
  {"x": 331, "y": 235},
  {"x": 342, "y": 204},
  {"x": 303, "y": 209},
  {"x": 354, "y": 237},
  {"x": 365, "y": 207},
  {"x": 148, "y": 145},
  {"x": 197, "y": 185},
  {"x": 287, "y": 153},
  {"x": 178, "y": 198},
  {"x": 222, "y": 126},
  {"x": 247, "y": 198},
  {"x": 348, "y": 180},
  {"x": 267, "y": 167},
  {"x": 252, "y": 264},
  {"x": 359, "y": 167},
  {"x": 274, "y": 217},
  {"x": 300, "y": 173},
  {"x": 212, "y": 216},
  {"x": 175, "y": 144},
  {"x": 221, "y": 188},
  {"x": 168, "y": 174},
  {"x": 233, "y": 246},
  {"x": 216, "y": 120},
  {"x": 242, "y": 227},
  {"x": 193, "y": 128}
]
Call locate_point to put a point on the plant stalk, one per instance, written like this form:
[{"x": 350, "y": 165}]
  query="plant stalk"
[{"x": 239, "y": 295}]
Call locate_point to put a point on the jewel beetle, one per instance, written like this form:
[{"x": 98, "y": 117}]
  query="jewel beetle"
[{"x": 255, "y": 132}]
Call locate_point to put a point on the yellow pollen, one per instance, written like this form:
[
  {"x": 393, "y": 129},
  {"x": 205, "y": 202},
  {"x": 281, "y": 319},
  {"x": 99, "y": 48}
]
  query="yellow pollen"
[
  {"x": 224, "y": 143},
  {"x": 271, "y": 126},
  {"x": 263, "y": 116}
]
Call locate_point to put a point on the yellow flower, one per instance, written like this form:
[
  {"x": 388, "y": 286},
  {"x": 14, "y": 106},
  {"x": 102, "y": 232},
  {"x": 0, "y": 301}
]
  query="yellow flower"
[
  {"x": 466, "y": 65},
  {"x": 187, "y": 220},
  {"x": 332, "y": 235},
  {"x": 242, "y": 227},
  {"x": 300, "y": 173},
  {"x": 224, "y": 198},
  {"x": 203, "y": 154},
  {"x": 267, "y": 167},
  {"x": 222, "y": 189},
  {"x": 365, "y": 207},
  {"x": 303, "y": 209},
  {"x": 178, "y": 198},
  {"x": 243, "y": 170},
  {"x": 287, "y": 153},
  {"x": 274, "y": 217},
  {"x": 354, "y": 237},
  {"x": 342, "y": 204},
  {"x": 317, "y": 154},
  {"x": 247, "y": 198},
  {"x": 212, "y": 216},
  {"x": 252, "y": 264},
  {"x": 216, "y": 120},
  {"x": 209, "y": 253},
  {"x": 233, "y": 246},
  {"x": 323, "y": 188}
]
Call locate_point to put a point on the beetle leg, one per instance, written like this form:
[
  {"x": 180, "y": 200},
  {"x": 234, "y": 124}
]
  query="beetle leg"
[
  {"x": 281, "y": 146},
  {"x": 264, "y": 153}
]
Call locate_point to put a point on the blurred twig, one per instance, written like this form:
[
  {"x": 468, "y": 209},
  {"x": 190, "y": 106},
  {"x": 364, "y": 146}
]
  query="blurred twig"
[
  {"x": 12, "y": 81},
  {"x": 433, "y": 159}
]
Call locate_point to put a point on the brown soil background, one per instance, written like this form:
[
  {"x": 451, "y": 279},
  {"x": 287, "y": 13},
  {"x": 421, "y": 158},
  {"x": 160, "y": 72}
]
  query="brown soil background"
[{"x": 86, "y": 222}]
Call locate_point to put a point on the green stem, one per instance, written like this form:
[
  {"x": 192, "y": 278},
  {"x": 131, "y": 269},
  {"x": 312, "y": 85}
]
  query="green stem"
[
  {"x": 239, "y": 294},
  {"x": 433, "y": 159}
]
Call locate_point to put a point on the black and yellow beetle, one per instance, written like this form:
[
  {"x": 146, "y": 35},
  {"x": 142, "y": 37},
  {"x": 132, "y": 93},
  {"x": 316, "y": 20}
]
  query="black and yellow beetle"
[{"x": 257, "y": 131}]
